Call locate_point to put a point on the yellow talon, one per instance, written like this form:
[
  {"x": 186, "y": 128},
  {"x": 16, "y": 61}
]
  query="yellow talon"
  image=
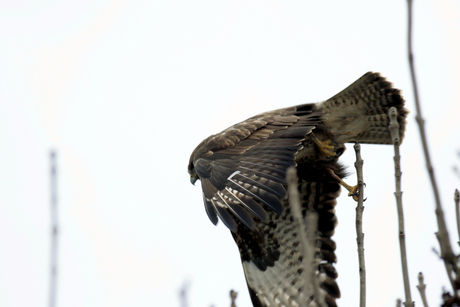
[
  {"x": 352, "y": 190},
  {"x": 324, "y": 147}
]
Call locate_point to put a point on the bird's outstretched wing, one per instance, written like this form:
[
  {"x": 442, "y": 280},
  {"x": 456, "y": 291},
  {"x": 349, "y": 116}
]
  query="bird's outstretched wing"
[{"x": 243, "y": 168}]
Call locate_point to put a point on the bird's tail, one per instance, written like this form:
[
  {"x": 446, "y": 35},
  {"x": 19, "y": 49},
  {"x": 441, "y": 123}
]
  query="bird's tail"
[{"x": 359, "y": 113}]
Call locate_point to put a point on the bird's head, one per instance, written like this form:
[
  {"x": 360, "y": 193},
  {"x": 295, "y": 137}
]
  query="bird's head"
[
  {"x": 193, "y": 175},
  {"x": 192, "y": 171},
  {"x": 194, "y": 157}
]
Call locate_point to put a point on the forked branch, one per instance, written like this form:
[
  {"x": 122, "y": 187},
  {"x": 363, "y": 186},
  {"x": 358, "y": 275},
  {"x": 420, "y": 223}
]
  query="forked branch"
[{"x": 442, "y": 235}]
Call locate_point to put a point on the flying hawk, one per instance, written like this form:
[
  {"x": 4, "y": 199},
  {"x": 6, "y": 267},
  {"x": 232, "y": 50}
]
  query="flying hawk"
[{"x": 243, "y": 175}]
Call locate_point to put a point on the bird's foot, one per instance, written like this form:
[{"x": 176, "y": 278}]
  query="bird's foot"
[
  {"x": 326, "y": 148},
  {"x": 352, "y": 191}
]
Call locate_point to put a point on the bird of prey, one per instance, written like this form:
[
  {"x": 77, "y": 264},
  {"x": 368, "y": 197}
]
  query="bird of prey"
[{"x": 243, "y": 176}]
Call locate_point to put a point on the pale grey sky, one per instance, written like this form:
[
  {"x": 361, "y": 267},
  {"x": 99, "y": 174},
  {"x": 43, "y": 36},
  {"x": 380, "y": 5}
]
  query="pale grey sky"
[{"x": 125, "y": 90}]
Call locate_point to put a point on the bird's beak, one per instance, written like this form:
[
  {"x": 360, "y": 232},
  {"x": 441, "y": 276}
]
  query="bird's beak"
[{"x": 193, "y": 179}]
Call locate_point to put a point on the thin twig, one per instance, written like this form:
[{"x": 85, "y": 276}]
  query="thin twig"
[
  {"x": 233, "y": 296},
  {"x": 54, "y": 230},
  {"x": 311, "y": 222},
  {"x": 359, "y": 226},
  {"x": 421, "y": 288},
  {"x": 457, "y": 213},
  {"x": 456, "y": 171},
  {"x": 307, "y": 240},
  {"x": 394, "y": 129},
  {"x": 183, "y": 293},
  {"x": 442, "y": 234},
  {"x": 398, "y": 303}
]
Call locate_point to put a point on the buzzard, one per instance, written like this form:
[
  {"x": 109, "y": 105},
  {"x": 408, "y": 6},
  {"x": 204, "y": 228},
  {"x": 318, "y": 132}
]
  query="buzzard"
[{"x": 243, "y": 176}]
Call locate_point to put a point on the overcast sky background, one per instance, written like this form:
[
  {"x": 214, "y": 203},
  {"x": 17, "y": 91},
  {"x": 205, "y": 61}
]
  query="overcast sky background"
[{"x": 125, "y": 90}]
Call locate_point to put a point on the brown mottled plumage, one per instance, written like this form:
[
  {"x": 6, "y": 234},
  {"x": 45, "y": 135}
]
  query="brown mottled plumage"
[{"x": 243, "y": 176}]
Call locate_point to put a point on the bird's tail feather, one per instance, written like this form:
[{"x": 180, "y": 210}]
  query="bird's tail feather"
[{"x": 359, "y": 113}]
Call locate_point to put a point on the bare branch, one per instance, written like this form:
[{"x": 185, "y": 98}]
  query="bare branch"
[
  {"x": 307, "y": 240},
  {"x": 442, "y": 234},
  {"x": 457, "y": 213},
  {"x": 359, "y": 226},
  {"x": 394, "y": 129},
  {"x": 447, "y": 263},
  {"x": 233, "y": 296},
  {"x": 183, "y": 293},
  {"x": 456, "y": 171},
  {"x": 421, "y": 288},
  {"x": 54, "y": 230},
  {"x": 398, "y": 303}
]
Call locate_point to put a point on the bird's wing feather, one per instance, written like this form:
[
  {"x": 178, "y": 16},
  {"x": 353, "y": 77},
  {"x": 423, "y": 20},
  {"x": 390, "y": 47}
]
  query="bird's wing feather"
[
  {"x": 271, "y": 253},
  {"x": 243, "y": 168}
]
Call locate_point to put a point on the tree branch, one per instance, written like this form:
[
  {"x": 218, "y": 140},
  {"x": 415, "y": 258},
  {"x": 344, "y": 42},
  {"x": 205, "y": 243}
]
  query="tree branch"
[
  {"x": 442, "y": 234},
  {"x": 421, "y": 288},
  {"x": 183, "y": 293},
  {"x": 233, "y": 296},
  {"x": 359, "y": 226},
  {"x": 307, "y": 240},
  {"x": 457, "y": 213},
  {"x": 394, "y": 129},
  {"x": 54, "y": 230}
]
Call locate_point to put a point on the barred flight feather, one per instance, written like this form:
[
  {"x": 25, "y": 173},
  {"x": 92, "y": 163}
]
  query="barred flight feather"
[{"x": 243, "y": 176}]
